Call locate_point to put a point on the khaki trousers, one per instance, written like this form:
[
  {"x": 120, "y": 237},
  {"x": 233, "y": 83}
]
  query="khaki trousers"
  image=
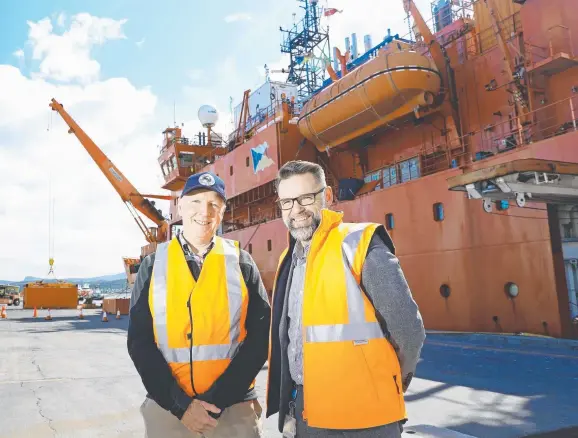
[{"x": 242, "y": 420}]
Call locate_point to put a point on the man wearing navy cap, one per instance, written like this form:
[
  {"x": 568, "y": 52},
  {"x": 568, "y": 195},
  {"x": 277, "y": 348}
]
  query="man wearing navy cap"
[{"x": 199, "y": 326}]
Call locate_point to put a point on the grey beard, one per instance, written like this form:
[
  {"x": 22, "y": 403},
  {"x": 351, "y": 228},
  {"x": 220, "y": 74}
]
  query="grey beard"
[{"x": 304, "y": 234}]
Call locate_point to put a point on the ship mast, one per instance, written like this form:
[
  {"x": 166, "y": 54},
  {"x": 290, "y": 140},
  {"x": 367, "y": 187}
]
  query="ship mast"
[{"x": 308, "y": 47}]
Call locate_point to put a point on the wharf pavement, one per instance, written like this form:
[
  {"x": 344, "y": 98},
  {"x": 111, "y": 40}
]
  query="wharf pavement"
[{"x": 73, "y": 378}]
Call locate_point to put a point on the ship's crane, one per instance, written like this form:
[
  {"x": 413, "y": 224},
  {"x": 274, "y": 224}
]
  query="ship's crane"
[
  {"x": 516, "y": 88},
  {"x": 128, "y": 193},
  {"x": 441, "y": 60}
]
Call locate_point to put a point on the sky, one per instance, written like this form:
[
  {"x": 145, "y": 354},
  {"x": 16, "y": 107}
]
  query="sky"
[{"x": 125, "y": 71}]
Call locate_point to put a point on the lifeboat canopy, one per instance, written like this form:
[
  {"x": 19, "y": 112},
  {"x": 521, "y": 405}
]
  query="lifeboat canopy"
[{"x": 389, "y": 86}]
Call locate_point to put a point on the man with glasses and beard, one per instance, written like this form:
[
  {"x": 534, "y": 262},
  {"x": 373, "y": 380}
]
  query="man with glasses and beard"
[{"x": 346, "y": 333}]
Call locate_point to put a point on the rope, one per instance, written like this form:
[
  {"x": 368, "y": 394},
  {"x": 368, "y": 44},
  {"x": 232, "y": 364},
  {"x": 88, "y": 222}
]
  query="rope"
[{"x": 50, "y": 211}]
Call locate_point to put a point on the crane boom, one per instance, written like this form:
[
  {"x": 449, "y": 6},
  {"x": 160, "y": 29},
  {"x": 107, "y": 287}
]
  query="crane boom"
[
  {"x": 128, "y": 193},
  {"x": 518, "y": 91}
]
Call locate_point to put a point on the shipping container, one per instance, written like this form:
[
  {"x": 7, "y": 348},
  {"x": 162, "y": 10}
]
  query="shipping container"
[{"x": 50, "y": 295}]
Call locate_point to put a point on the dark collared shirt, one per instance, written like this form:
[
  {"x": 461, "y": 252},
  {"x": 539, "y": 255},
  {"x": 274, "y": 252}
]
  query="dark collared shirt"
[{"x": 232, "y": 386}]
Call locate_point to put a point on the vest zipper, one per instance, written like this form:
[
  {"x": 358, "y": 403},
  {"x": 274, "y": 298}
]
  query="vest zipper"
[{"x": 303, "y": 333}]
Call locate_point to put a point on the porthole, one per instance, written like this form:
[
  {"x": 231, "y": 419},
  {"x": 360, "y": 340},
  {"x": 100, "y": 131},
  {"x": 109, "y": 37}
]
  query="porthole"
[
  {"x": 445, "y": 291},
  {"x": 511, "y": 290}
]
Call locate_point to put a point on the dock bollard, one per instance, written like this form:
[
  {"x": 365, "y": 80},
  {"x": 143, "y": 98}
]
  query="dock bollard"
[
  {"x": 104, "y": 317},
  {"x": 117, "y": 313}
]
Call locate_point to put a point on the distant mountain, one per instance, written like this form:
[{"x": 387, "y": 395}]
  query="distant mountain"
[{"x": 114, "y": 281}]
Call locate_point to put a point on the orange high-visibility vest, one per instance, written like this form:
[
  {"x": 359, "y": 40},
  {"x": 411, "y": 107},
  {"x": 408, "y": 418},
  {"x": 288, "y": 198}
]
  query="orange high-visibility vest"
[
  {"x": 351, "y": 373},
  {"x": 219, "y": 300}
]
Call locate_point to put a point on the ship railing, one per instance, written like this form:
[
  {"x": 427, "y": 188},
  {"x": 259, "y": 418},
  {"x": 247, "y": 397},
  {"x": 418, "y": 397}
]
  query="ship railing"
[
  {"x": 559, "y": 40},
  {"x": 263, "y": 215},
  {"x": 253, "y": 124},
  {"x": 485, "y": 40},
  {"x": 167, "y": 143},
  {"x": 549, "y": 121}
]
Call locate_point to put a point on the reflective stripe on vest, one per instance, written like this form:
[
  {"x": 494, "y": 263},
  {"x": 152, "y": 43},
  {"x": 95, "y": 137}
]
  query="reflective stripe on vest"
[
  {"x": 357, "y": 329},
  {"x": 234, "y": 293}
]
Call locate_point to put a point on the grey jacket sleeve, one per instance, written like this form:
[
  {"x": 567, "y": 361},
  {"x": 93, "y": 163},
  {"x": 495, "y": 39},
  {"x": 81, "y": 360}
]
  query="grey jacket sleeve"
[{"x": 396, "y": 310}]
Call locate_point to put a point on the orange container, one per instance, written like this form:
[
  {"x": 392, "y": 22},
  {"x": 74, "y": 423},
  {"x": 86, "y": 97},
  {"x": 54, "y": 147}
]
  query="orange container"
[{"x": 53, "y": 295}]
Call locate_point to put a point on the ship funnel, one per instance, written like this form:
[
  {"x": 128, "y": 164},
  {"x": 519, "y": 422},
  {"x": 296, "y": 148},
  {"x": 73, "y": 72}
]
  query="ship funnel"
[
  {"x": 367, "y": 43},
  {"x": 208, "y": 116},
  {"x": 335, "y": 59},
  {"x": 353, "y": 46}
]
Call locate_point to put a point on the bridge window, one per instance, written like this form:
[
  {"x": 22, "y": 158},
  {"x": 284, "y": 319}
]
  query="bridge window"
[
  {"x": 269, "y": 246},
  {"x": 409, "y": 169},
  {"x": 247, "y": 161},
  {"x": 250, "y": 248},
  {"x": 389, "y": 176},
  {"x": 231, "y": 170},
  {"x": 375, "y": 176}
]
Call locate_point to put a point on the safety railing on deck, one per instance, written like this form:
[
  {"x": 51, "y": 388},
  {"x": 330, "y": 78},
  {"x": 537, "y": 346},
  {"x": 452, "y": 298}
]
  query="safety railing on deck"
[
  {"x": 253, "y": 124},
  {"x": 258, "y": 216},
  {"x": 549, "y": 121},
  {"x": 559, "y": 40}
]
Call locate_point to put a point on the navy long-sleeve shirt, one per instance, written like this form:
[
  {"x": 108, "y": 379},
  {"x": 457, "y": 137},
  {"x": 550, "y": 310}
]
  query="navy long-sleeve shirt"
[{"x": 232, "y": 386}]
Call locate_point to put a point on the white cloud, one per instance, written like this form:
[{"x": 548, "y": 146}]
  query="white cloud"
[
  {"x": 242, "y": 16},
  {"x": 140, "y": 43},
  {"x": 19, "y": 53},
  {"x": 92, "y": 227},
  {"x": 66, "y": 57}
]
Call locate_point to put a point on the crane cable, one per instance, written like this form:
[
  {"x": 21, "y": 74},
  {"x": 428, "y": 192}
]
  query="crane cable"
[{"x": 50, "y": 212}]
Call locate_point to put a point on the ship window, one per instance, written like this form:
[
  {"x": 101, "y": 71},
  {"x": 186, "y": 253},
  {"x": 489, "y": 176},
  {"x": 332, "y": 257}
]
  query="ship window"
[
  {"x": 438, "y": 211},
  {"x": 230, "y": 170},
  {"x": 250, "y": 248},
  {"x": 269, "y": 245},
  {"x": 185, "y": 159},
  {"x": 375, "y": 176},
  {"x": 247, "y": 161},
  {"x": 173, "y": 162},
  {"x": 409, "y": 169},
  {"x": 389, "y": 176},
  {"x": 389, "y": 221}
]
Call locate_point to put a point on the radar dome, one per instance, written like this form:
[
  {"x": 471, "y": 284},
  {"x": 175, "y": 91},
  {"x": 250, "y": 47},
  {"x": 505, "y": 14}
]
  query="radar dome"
[{"x": 208, "y": 116}]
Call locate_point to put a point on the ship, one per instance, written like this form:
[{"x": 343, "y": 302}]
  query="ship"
[{"x": 459, "y": 137}]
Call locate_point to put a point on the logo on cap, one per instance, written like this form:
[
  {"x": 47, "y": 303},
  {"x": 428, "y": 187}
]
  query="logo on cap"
[{"x": 206, "y": 180}]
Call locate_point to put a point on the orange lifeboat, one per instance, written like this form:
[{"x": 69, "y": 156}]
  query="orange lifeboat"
[{"x": 388, "y": 87}]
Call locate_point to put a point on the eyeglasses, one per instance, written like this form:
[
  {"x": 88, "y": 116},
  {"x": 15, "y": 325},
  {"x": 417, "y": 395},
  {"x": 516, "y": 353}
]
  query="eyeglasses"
[{"x": 303, "y": 200}]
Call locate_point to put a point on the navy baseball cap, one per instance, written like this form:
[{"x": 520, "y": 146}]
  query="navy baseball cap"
[{"x": 207, "y": 181}]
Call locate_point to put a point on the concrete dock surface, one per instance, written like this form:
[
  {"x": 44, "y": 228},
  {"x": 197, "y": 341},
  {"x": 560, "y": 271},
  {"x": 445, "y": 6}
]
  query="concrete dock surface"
[{"x": 69, "y": 377}]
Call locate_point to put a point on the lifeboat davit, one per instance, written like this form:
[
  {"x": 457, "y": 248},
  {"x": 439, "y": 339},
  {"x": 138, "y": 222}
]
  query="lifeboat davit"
[{"x": 388, "y": 87}]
